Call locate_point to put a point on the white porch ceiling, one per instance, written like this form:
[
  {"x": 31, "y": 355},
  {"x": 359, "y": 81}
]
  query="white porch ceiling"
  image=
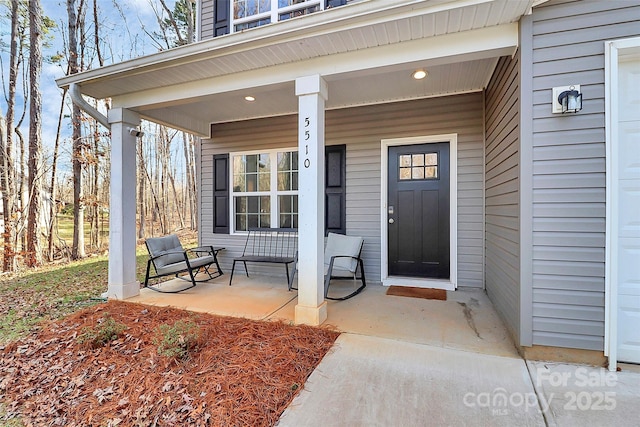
[{"x": 366, "y": 51}]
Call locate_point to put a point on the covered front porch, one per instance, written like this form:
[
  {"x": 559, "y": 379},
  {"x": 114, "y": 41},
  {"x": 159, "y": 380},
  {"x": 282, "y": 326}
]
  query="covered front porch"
[{"x": 343, "y": 60}]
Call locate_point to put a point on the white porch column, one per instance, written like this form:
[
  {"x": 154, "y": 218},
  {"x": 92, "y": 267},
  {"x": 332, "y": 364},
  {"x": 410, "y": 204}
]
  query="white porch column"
[
  {"x": 312, "y": 94},
  {"x": 122, "y": 210}
]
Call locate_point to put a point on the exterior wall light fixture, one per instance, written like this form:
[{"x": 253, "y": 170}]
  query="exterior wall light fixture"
[{"x": 567, "y": 99}]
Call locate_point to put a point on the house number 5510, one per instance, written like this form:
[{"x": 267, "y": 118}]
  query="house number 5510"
[{"x": 307, "y": 135}]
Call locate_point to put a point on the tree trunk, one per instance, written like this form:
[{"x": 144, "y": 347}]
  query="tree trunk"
[
  {"x": 34, "y": 250},
  {"x": 21, "y": 242},
  {"x": 191, "y": 21},
  {"x": 7, "y": 171},
  {"x": 190, "y": 180},
  {"x": 95, "y": 198},
  {"x": 177, "y": 201},
  {"x": 173, "y": 23},
  {"x": 141, "y": 185},
  {"x": 77, "y": 250},
  {"x": 52, "y": 189},
  {"x": 96, "y": 34}
]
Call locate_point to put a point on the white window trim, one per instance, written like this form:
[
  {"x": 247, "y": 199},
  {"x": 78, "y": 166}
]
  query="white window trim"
[
  {"x": 273, "y": 193},
  {"x": 612, "y": 51},
  {"x": 274, "y": 13},
  {"x": 452, "y": 283}
]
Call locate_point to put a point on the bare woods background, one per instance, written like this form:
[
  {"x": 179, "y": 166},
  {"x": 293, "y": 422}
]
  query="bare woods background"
[{"x": 55, "y": 183}]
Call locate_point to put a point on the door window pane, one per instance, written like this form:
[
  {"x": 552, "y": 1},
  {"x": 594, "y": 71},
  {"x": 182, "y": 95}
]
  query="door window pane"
[{"x": 418, "y": 166}]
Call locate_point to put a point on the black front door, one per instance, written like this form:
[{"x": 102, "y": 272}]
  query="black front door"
[{"x": 418, "y": 210}]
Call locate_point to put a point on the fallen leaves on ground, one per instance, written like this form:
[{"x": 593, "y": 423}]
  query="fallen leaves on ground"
[{"x": 242, "y": 372}]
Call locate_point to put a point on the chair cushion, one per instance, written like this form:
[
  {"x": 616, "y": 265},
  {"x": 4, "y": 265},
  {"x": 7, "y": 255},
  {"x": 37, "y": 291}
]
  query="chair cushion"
[
  {"x": 339, "y": 244},
  {"x": 169, "y": 245}
]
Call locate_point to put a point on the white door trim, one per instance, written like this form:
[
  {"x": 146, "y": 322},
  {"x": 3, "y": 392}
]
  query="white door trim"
[
  {"x": 452, "y": 283},
  {"x": 613, "y": 50}
]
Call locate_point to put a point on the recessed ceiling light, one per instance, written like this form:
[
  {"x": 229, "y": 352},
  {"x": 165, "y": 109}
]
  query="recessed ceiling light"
[
  {"x": 419, "y": 74},
  {"x": 249, "y": 98}
]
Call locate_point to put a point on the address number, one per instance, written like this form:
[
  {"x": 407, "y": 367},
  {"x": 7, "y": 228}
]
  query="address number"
[{"x": 307, "y": 135}]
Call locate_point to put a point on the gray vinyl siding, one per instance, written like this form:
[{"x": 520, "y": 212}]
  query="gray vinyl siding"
[
  {"x": 362, "y": 129},
  {"x": 206, "y": 20},
  {"x": 502, "y": 196},
  {"x": 569, "y": 169}
]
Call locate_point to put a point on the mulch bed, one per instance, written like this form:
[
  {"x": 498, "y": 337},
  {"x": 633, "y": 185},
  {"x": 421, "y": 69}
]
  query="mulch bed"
[{"x": 241, "y": 372}]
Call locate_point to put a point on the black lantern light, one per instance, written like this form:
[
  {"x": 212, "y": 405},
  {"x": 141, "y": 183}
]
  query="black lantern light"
[{"x": 571, "y": 100}]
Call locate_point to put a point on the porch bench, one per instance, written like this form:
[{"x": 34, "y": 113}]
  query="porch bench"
[
  {"x": 269, "y": 245},
  {"x": 168, "y": 257}
]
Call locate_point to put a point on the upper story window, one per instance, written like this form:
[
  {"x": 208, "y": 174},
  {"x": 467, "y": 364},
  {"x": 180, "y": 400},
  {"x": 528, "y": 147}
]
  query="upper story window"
[{"x": 253, "y": 13}]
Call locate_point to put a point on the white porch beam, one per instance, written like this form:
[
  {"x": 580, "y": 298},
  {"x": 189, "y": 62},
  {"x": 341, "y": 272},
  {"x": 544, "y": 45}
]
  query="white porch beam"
[
  {"x": 122, "y": 210},
  {"x": 312, "y": 93}
]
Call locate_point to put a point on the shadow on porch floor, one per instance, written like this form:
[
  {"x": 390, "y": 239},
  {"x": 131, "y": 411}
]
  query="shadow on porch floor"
[{"x": 466, "y": 321}]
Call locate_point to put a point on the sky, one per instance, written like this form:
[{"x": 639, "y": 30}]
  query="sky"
[{"x": 122, "y": 23}]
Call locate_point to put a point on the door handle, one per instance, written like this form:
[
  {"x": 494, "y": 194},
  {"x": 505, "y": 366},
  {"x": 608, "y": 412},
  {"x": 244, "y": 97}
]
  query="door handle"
[{"x": 391, "y": 221}]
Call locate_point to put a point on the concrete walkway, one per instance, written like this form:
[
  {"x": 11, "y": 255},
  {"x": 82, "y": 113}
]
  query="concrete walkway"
[{"x": 371, "y": 381}]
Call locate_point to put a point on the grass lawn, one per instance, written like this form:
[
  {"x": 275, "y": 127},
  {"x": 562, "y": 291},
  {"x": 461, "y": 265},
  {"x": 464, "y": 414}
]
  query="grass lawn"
[
  {"x": 65, "y": 227},
  {"x": 50, "y": 292}
]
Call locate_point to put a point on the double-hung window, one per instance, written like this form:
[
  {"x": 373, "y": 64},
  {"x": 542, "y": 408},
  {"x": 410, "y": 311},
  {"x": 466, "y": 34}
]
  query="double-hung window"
[
  {"x": 253, "y": 13},
  {"x": 264, "y": 189}
]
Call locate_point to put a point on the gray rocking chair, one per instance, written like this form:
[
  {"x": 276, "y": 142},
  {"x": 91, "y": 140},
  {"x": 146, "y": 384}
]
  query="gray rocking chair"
[
  {"x": 341, "y": 261},
  {"x": 169, "y": 258}
]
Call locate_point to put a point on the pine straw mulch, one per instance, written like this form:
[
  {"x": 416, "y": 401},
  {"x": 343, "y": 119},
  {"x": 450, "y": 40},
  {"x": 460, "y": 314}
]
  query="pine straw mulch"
[{"x": 241, "y": 372}]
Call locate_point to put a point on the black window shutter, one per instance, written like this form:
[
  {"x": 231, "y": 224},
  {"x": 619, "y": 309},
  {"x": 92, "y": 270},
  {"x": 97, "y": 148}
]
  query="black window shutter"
[
  {"x": 335, "y": 189},
  {"x": 221, "y": 18},
  {"x": 221, "y": 193}
]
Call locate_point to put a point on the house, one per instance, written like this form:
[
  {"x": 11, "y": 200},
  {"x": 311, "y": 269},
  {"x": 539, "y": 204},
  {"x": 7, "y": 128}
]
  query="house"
[{"x": 310, "y": 114}]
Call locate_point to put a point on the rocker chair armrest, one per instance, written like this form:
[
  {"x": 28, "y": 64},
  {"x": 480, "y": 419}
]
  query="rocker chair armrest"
[
  {"x": 201, "y": 249},
  {"x": 204, "y": 249}
]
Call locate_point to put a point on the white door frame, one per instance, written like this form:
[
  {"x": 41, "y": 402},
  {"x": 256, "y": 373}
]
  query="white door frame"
[
  {"x": 452, "y": 283},
  {"x": 613, "y": 50}
]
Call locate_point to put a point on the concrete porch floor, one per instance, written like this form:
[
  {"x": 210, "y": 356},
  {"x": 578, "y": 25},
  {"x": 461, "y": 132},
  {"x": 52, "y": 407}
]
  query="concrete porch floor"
[{"x": 466, "y": 321}]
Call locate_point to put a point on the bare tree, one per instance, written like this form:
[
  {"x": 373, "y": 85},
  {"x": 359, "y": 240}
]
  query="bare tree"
[
  {"x": 7, "y": 181},
  {"x": 52, "y": 188},
  {"x": 34, "y": 251},
  {"x": 190, "y": 179},
  {"x": 77, "y": 250},
  {"x": 141, "y": 190}
]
